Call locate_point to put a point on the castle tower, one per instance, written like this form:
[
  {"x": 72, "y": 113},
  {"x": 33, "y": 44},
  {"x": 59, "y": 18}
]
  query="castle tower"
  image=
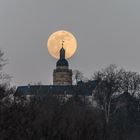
[{"x": 62, "y": 75}]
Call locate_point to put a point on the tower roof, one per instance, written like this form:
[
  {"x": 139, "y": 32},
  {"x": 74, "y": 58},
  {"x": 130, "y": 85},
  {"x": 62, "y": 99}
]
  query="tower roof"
[{"x": 62, "y": 61}]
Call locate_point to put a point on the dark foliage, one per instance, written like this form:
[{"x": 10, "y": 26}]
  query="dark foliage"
[
  {"x": 50, "y": 118},
  {"x": 55, "y": 117}
]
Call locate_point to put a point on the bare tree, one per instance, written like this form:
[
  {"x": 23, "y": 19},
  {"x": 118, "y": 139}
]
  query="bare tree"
[
  {"x": 4, "y": 78},
  {"x": 108, "y": 85},
  {"x": 2, "y": 60},
  {"x": 77, "y": 76},
  {"x": 131, "y": 83}
]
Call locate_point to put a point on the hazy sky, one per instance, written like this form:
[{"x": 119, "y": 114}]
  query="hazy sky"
[{"x": 107, "y": 31}]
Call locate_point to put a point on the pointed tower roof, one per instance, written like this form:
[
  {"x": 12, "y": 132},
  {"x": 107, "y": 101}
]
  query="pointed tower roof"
[
  {"x": 62, "y": 61},
  {"x": 62, "y": 53}
]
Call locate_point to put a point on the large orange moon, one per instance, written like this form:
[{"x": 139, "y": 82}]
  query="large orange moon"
[{"x": 61, "y": 39}]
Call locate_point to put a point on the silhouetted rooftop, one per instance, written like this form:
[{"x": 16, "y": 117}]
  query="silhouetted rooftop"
[
  {"x": 80, "y": 89},
  {"x": 62, "y": 62}
]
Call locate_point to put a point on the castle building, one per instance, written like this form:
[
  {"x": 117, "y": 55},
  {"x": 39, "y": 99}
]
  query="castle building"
[{"x": 62, "y": 75}]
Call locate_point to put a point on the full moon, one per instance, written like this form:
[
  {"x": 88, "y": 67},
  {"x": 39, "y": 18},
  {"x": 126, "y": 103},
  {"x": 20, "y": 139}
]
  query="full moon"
[{"x": 61, "y": 39}]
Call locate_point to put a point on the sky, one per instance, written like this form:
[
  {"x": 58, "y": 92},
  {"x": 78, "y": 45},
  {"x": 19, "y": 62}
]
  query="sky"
[{"x": 107, "y": 32}]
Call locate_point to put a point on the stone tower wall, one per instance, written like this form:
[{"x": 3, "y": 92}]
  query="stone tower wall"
[{"x": 62, "y": 77}]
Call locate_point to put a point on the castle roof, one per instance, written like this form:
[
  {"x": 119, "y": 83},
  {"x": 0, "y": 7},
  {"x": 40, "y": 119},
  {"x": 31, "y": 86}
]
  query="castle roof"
[{"x": 57, "y": 89}]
